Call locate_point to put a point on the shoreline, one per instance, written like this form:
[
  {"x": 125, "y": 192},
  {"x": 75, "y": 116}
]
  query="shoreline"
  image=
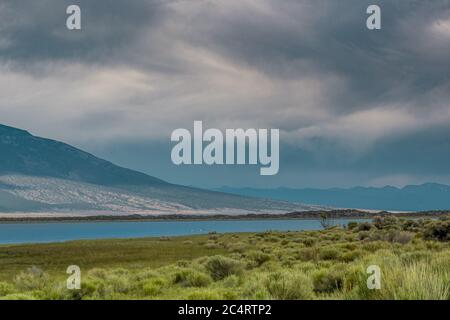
[{"x": 304, "y": 215}]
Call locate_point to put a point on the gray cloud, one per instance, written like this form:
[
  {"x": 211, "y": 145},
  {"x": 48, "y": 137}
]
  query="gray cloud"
[
  {"x": 403, "y": 60},
  {"x": 350, "y": 102},
  {"x": 36, "y": 30}
]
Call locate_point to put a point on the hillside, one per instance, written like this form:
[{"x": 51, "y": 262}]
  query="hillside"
[
  {"x": 26, "y": 154},
  {"x": 43, "y": 175}
]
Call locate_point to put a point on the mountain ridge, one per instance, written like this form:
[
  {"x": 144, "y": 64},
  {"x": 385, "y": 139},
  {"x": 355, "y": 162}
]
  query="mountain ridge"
[
  {"x": 27, "y": 154},
  {"x": 426, "y": 196},
  {"x": 44, "y": 175}
]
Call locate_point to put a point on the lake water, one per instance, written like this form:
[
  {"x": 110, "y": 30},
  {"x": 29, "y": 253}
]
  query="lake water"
[{"x": 64, "y": 231}]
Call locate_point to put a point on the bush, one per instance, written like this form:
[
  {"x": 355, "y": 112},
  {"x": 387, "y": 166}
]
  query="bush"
[
  {"x": 388, "y": 222},
  {"x": 438, "y": 230},
  {"x": 238, "y": 247},
  {"x": 212, "y": 245},
  {"x": 255, "y": 289},
  {"x": 364, "y": 226},
  {"x": 191, "y": 278},
  {"x": 289, "y": 286},
  {"x": 309, "y": 242},
  {"x": 220, "y": 267},
  {"x": 352, "y": 225},
  {"x": 363, "y": 235},
  {"x": 308, "y": 254},
  {"x": 5, "y": 288},
  {"x": 33, "y": 279},
  {"x": 350, "y": 256},
  {"x": 98, "y": 273},
  {"x": 153, "y": 287},
  {"x": 328, "y": 280},
  {"x": 257, "y": 258},
  {"x": 411, "y": 225},
  {"x": 329, "y": 254},
  {"x": 402, "y": 237},
  {"x": 232, "y": 281},
  {"x": 57, "y": 291}
]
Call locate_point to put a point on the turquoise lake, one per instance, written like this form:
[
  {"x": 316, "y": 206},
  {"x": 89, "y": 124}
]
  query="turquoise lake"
[{"x": 11, "y": 233}]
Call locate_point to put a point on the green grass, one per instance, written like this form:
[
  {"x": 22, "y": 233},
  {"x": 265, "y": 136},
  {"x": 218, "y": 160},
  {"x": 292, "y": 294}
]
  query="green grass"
[
  {"x": 112, "y": 253},
  {"x": 414, "y": 258}
]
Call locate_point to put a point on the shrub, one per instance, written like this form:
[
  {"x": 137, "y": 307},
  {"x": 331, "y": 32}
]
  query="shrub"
[
  {"x": 378, "y": 222},
  {"x": 212, "y": 245},
  {"x": 255, "y": 289},
  {"x": 33, "y": 279},
  {"x": 5, "y": 288},
  {"x": 364, "y": 226},
  {"x": 387, "y": 222},
  {"x": 119, "y": 284},
  {"x": 411, "y": 225},
  {"x": 350, "y": 256},
  {"x": 232, "y": 281},
  {"x": 417, "y": 281},
  {"x": 98, "y": 273},
  {"x": 308, "y": 254},
  {"x": 309, "y": 242},
  {"x": 438, "y": 230},
  {"x": 402, "y": 237},
  {"x": 257, "y": 258},
  {"x": 328, "y": 280},
  {"x": 153, "y": 287},
  {"x": 289, "y": 286},
  {"x": 180, "y": 263},
  {"x": 238, "y": 247},
  {"x": 363, "y": 235},
  {"x": 221, "y": 267},
  {"x": 352, "y": 225},
  {"x": 57, "y": 291},
  {"x": 88, "y": 288},
  {"x": 272, "y": 239},
  {"x": 191, "y": 278},
  {"x": 329, "y": 253}
]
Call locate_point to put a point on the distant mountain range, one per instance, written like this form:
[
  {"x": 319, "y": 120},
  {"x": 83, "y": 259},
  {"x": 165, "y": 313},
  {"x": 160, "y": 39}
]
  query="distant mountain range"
[
  {"x": 428, "y": 196},
  {"x": 40, "y": 175}
]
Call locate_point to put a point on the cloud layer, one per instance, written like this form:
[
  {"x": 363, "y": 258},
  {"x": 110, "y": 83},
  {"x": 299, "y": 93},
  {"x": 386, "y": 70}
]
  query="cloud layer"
[{"x": 352, "y": 104}]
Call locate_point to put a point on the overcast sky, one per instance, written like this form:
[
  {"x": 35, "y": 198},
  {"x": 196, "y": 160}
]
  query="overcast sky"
[{"x": 354, "y": 106}]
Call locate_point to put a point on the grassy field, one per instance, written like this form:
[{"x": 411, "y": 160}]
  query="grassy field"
[{"x": 413, "y": 256}]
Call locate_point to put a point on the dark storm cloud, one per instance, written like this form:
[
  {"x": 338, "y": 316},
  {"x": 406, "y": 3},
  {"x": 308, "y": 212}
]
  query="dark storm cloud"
[
  {"x": 286, "y": 39},
  {"x": 397, "y": 63},
  {"x": 36, "y": 30}
]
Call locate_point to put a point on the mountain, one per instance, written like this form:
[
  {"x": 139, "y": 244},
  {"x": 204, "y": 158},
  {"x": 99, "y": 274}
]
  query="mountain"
[
  {"x": 40, "y": 175},
  {"x": 29, "y": 155},
  {"x": 429, "y": 196}
]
